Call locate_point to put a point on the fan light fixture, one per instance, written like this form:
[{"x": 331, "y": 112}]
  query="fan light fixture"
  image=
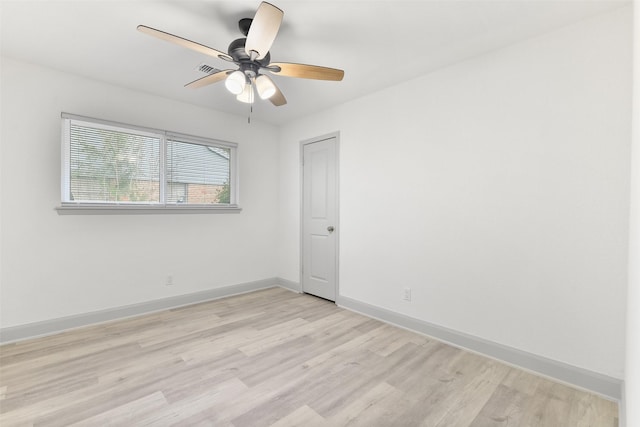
[
  {"x": 265, "y": 86},
  {"x": 236, "y": 82},
  {"x": 251, "y": 55},
  {"x": 246, "y": 95}
]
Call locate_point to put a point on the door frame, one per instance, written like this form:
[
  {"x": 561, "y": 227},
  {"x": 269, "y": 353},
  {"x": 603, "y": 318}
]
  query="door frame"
[{"x": 302, "y": 143}]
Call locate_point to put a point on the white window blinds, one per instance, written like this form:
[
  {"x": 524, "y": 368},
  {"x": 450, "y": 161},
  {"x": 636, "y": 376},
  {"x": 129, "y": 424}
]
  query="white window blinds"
[
  {"x": 108, "y": 165},
  {"x": 111, "y": 164}
]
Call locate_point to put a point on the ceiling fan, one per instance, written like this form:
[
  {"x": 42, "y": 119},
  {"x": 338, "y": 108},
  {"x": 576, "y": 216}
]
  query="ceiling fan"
[{"x": 251, "y": 55}]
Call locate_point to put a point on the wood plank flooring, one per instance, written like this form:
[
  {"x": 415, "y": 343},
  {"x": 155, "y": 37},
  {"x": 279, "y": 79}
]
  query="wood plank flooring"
[{"x": 273, "y": 358}]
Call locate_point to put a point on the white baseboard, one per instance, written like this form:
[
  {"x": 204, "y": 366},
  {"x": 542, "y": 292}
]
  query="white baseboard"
[
  {"x": 622, "y": 407},
  {"x": 48, "y": 327},
  {"x": 603, "y": 385},
  {"x": 294, "y": 286}
]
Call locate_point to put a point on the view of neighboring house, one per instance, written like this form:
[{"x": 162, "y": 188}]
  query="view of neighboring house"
[{"x": 197, "y": 174}]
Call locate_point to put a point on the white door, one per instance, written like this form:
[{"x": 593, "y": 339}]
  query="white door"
[{"x": 319, "y": 216}]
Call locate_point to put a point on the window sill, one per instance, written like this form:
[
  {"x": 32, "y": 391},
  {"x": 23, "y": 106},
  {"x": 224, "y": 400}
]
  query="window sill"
[{"x": 115, "y": 209}]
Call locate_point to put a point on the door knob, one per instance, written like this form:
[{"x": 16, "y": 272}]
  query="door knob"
[{"x": 330, "y": 229}]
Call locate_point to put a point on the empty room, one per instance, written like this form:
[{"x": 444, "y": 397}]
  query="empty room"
[{"x": 320, "y": 213}]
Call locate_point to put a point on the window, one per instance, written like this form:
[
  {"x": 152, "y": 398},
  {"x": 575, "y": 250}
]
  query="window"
[{"x": 109, "y": 166}]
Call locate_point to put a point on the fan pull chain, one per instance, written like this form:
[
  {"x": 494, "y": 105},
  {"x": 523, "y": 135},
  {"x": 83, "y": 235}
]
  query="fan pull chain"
[{"x": 250, "y": 102}]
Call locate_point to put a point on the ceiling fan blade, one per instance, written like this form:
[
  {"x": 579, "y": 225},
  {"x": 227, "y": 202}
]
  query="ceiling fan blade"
[
  {"x": 278, "y": 98},
  {"x": 304, "y": 71},
  {"x": 210, "y": 79},
  {"x": 263, "y": 30},
  {"x": 184, "y": 42}
]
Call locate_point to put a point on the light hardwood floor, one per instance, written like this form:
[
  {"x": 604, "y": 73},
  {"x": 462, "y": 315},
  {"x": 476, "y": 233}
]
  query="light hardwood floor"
[{"x": 272, "y": 358}]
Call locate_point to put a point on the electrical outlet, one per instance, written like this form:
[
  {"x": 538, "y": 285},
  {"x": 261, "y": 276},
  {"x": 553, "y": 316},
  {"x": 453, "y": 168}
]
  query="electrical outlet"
[
  {"x": 406, "y": 294},
  {"x": 169, "y": 281}
]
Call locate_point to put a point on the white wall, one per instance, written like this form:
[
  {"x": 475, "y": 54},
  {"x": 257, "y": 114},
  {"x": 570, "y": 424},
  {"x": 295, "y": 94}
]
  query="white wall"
[
  {"x": 54, "y": 266},
  {"x": 497, "y": 189},
  {"x": 632, "y": 369}
]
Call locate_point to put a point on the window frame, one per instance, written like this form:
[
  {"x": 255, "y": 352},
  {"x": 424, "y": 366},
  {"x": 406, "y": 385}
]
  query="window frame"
[{"x": 82, "y": 207}]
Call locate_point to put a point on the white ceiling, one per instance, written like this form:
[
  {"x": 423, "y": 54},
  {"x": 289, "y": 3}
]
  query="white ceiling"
[{"x": 377, "y": 43}]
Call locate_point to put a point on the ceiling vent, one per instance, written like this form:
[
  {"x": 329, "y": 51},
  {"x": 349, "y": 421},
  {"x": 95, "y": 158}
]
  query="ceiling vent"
[{"x": 207, "y": 69}]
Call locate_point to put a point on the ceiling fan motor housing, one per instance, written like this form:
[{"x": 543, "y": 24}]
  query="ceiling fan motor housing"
[
  {"x": 244, "y": 24},
  {"x": 250, "y": 68}
]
